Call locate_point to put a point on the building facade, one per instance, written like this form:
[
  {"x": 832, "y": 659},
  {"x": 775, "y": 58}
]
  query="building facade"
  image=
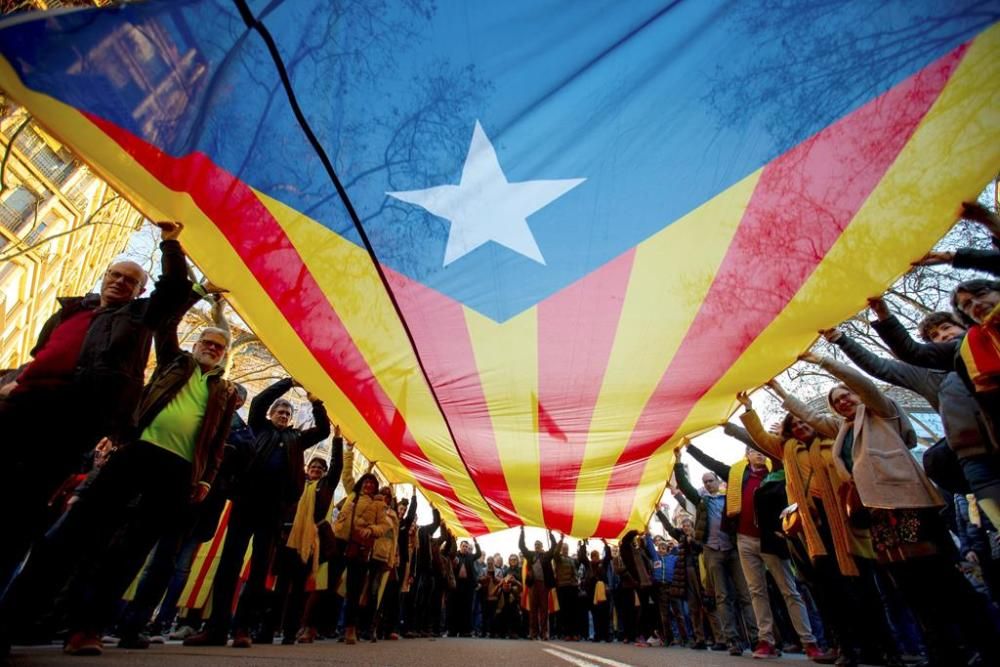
[{"x": 60, "y": 227}]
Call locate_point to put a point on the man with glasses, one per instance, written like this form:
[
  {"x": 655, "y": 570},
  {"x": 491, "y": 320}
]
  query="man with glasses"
[
  {"x": 83, "y": 383},
  {"x": 147, "y": 489},
  {"x": 269, "y": 492}
]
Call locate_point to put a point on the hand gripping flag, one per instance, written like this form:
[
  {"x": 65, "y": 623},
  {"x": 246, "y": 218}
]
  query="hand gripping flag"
[{"x": 567, "y": 233}]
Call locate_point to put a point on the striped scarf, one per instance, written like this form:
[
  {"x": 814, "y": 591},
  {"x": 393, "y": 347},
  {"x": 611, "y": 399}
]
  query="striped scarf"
[{"x": 980, "y": 351}]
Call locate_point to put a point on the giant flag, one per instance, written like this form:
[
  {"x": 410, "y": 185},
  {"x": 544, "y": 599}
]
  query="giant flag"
[{"x": 522, "y": 247}]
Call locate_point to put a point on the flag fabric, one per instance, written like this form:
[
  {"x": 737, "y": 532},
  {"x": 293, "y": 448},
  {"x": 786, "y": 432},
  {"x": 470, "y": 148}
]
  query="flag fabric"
[{"x": 568, "y": 232}]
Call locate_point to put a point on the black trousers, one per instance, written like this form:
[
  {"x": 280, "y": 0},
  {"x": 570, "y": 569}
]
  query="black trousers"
[
  {"x": 141, "y": 493},
  {"x": 289, "y": 596},
  {"x": 259, "y": 519},
  {"x": 568, "y": 625},
  {"x": 45, "y": 439}
]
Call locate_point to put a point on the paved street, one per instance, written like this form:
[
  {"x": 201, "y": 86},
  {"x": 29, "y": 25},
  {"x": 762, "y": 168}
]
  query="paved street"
[{"x": 405, "y": 653}]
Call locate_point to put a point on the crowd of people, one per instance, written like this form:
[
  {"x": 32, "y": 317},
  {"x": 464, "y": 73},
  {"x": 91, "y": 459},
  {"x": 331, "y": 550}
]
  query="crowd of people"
[{"x": 829, "y": 537}]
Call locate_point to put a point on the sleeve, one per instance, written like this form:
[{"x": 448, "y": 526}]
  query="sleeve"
[
  {"x": 826, "y": 425},
  {"x": 691, "y": 493},
  {"x": 172, "y": 293},
  {"x": 737, "y": 433},
  {"x": 892, "y": 371},
  {"x": 522, "y": 546},
  {"x": 870, "y": 395},
  {"x": 650, "y": 546},
  {"x": 261, "y": 403},
  {"x": 674, "y": 532},
  {"x": 928, "y": 355},
  {"x": 381, "y": 525},
  {"x": 718, "y": 467},
  {"x": 320, "y": 429},
  {"x": 435, "y": 521},
  {"x": 347, "y": 476},
  {"x": 479, "y": 551},
  {"x": 214, "y": 461},
  {"x": 165, "y": 337},
  {"x": 987, "y": 261},
  {"x": 766, "y": 443}
]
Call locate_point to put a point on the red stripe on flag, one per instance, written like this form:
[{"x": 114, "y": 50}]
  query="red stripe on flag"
[
  {"x": 802, "y": 203},
  {"x": 576, "y": 331},
  {"x": 439, "y": 329},
  {"x": 217, "y": 540},
  {"x": 270, "y": 255}
]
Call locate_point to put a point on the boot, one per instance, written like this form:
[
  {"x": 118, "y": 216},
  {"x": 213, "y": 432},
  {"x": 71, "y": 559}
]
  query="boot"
[{"x": 350, "y": 635}]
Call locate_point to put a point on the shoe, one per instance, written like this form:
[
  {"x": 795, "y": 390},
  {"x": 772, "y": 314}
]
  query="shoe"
[
  {"x": 83, "y": 643},
  {"x": 818, "y": 655},
  {"x": 393, "y": 636},
  {"x": 719, "y": 646},
  {"x": 350, "y": 635},
  {"x": 287, "y": 640},
  {"x": 765, "y": 650},
  {"x": 182, "y": 633},
  {"x": 241, "y": 639},
  {"x": 794, "y": 649},
  {"x": 138, "y": 641},
  {"x": 698, "y": 646},
  {"x": 307, "y": 635},
  {"x": 205, "y": 638},
  {"x": 264, "y": 638},
  {"x": 158, "y": 638},
  {"x": 735, "y": 649}
]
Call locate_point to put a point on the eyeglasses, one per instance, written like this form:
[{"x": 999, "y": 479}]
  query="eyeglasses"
[{"x": 115, "y": 276}]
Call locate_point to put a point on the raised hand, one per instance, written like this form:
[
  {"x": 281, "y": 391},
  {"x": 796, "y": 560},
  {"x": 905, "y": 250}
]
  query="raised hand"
[
  {"x": 744, "y": 400},
  {"x": 935, "y": 258},
  {"x": 811, "y": 358},
  {"x": 776, "y": 387},
  {"x": 973, "y": 211},
  {"x": 879, "y": 307},
  {"x": 169, "y": 230},
  {"x": 831, "y": 335}
]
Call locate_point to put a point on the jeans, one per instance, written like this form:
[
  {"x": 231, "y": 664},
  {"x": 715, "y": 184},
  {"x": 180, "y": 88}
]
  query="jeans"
[
  {"x": 732, "y": 598},
  {"x": 755, "y": 567},
  {"x": 983, "y": 475}
]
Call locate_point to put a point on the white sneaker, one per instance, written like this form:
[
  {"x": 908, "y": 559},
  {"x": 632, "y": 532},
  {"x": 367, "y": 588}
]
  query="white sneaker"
[{"x": 182, "y": 633}]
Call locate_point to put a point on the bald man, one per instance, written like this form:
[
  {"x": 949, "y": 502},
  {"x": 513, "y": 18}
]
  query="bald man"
[{"x": 83, "y": 383}]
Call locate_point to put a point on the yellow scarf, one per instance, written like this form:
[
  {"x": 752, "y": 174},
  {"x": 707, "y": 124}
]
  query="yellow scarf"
[
  {"x": 734, "y": 486},
  {"x": 304, "y": 537}
]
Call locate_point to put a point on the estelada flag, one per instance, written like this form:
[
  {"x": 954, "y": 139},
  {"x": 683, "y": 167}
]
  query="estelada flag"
[{"x": 565, "y": 233}]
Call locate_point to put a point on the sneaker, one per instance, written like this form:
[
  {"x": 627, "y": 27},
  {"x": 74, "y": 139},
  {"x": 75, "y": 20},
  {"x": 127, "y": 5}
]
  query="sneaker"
[
  {"x": 241, "y": 639},
  {"x": 765, "y": 650},
  {"x": 158, "y": 638},
  {"x": 83, "y": 643},
  {"x": 816, "y": 654},
  {"x": 393, "y": 636},
  {"x": 719, "y": 646},
  {"x": 698, "y": 646},
  {"x": 653, "y": 641},
  {"x": 182, "y": 633},
  {"x": 139, "y": 641},
  {"x": 735, "y": 649},
  {"x": 205, "y": 638},
  {"x": 307, "y": 635}
]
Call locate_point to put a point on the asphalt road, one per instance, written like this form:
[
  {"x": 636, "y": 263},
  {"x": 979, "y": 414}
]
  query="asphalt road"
[{"x": 404, "y": 653}]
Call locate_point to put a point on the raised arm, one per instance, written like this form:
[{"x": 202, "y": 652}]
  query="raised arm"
[
  {"x": 411, "y": 513},
  {"x": 170, "y": 295},
  {"x": 737, "y": 433},
  {"x": 672, "y": 530},
  {"x": 321, "y": 424},
  {"x": 824, "y": 424},
  {"x": 763, "y": 441},
  {"x": 861, "y": 384},
  {"x": 261, "y": 403},
  {"x": 522, "y": 546},
  {"x": 718, "y": 467},
  {"x": 928, "y": 355},
  {"x": 347, "y": 476},
  {"x": 892, "y": 371},
  {"x": 479, "y": 551},
  {"x": 691, "y": 493}
]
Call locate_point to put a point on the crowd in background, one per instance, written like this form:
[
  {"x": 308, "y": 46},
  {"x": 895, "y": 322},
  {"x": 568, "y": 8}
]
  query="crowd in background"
[{"x": 830, "y": 537}]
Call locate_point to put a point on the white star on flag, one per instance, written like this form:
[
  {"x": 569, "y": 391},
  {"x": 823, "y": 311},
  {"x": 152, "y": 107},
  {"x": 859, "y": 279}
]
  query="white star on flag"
[{"x": 485, "y": 206}]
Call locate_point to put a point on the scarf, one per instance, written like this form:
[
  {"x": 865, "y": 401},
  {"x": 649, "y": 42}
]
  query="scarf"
[
  {"x": 734, "y": 486},
  {"x": 304, "y": 537},
  {"x": 836, "y": 513},
  {"x": 980, "y": 351}
]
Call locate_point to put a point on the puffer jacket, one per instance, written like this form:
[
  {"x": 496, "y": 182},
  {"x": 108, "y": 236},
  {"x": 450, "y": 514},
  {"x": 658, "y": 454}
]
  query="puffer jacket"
[
  {"x": 386, "y": 549},
  {"x": 367, "y": 511}
]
